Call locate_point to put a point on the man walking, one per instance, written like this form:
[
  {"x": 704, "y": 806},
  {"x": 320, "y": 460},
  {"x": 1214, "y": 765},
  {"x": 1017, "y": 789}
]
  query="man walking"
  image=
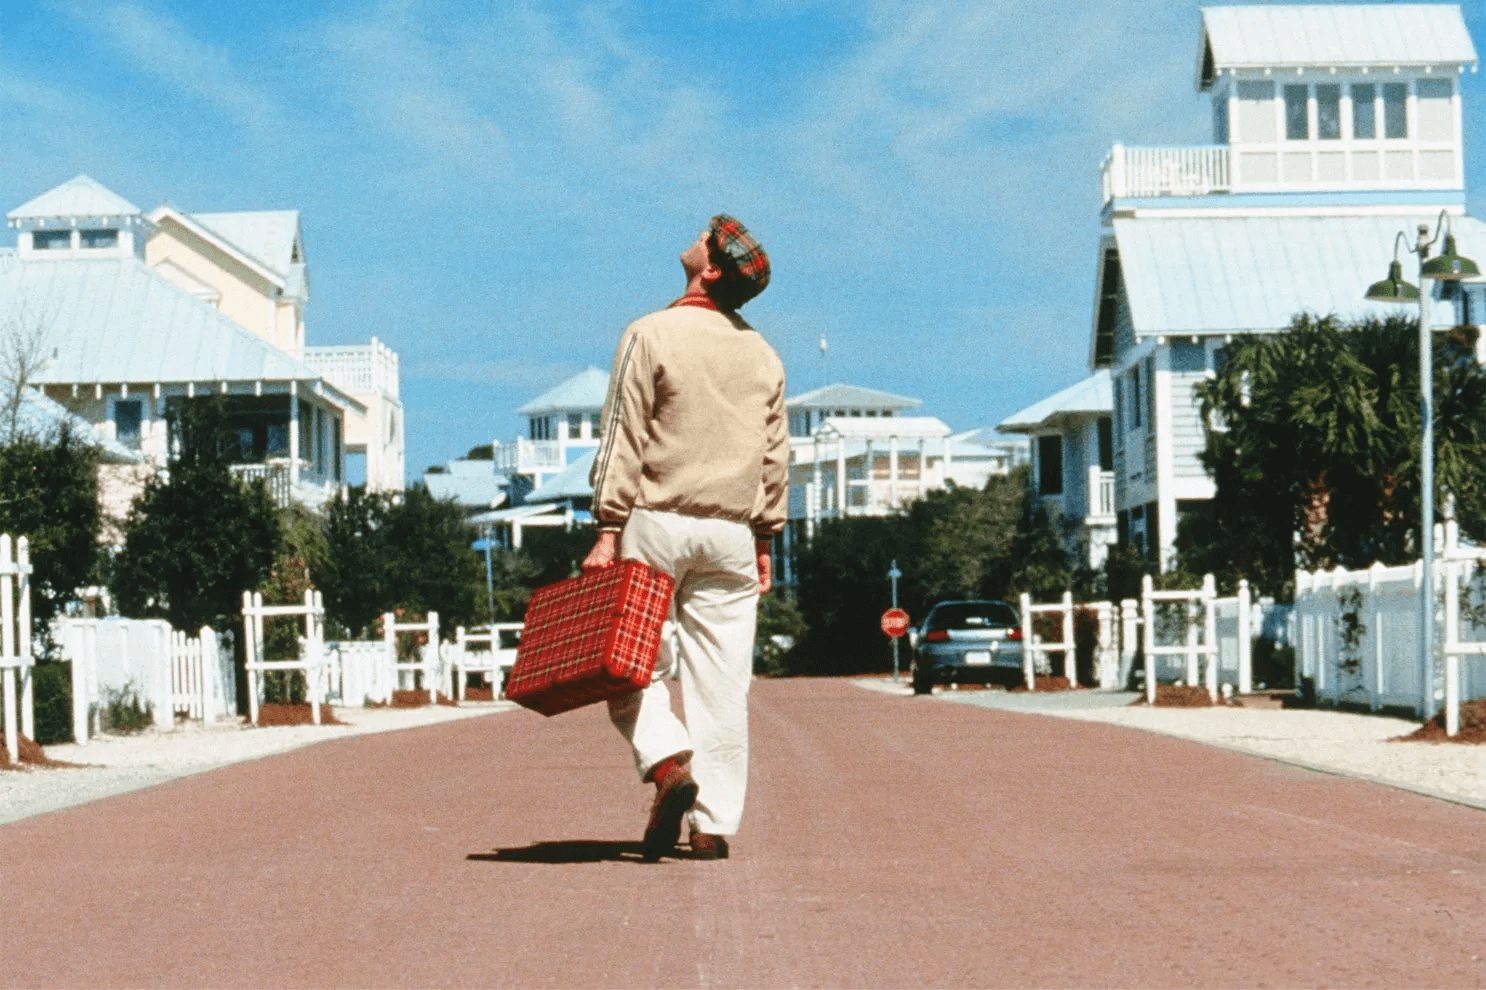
[{"x": 691, "y": 477}]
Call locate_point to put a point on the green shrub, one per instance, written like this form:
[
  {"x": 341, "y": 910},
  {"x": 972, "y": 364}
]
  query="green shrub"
[
  {"x": 122, "y": 711},
  {"x": 52, "y": 687}
]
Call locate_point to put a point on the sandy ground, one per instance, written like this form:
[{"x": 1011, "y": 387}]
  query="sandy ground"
[
  {"x": 117, "y": 764},
  {"x": 1355, "y": 745}
]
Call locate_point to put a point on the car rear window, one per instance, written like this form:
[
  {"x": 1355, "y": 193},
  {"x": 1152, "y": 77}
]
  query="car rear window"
[{"x": 972, "y": 615}]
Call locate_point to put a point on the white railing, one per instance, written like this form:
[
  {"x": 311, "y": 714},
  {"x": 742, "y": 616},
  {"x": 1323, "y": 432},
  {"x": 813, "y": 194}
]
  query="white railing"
[
  {"x": 495, "y": 660},
  {"x": 1201, "y": 642},
  {"x": 1101, "y": 492},
  {"x": 1142, "y": 173},
  {"x": 358, "y": 370},
  {"x": 311, "y": 658},
  {"x": 275, "y": 476},
  {"x": 16, "y": 661},
  {"x": 1035, "y": 651},
  {"x": 430, "y": 658},
  {"x": 524, "y": 456},
  {"x": 360, "y": 672}
]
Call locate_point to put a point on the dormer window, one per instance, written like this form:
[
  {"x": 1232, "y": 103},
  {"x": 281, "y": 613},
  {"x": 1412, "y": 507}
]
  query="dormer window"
[
  {"x": 51, "y": 240},
  {"x": 107, "y": 237},
  {"x": 1364, "y": 112},
  {"x": 1395, "y": 111}
]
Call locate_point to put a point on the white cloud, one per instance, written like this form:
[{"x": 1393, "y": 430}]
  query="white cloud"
[{"x": 162, "y": 47}]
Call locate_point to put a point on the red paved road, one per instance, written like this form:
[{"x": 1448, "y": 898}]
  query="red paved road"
[{"x": 889, "y": 842}]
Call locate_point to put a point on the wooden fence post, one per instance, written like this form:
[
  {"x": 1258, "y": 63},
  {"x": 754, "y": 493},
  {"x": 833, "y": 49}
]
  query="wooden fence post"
[
  {"x": 1245, "y": 638},
  {"x": 1210, "y": 634},
  {"x": 1029, "y": 643},
  {"x": 1070, "y": 653},
  {"x": 7, "y": 644},
  {"x": 1148, "y": 637}
]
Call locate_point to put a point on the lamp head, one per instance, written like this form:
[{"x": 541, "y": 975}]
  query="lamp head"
[
  {"x": 1393, "y": 288},
  {"x": 1449, "y": 266}
]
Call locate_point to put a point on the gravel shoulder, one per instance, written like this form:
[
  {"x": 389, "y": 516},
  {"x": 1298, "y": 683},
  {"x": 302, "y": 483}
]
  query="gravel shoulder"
[
  {"x": 119, "y": 764},
  {"x": 1346, "y": 743}
]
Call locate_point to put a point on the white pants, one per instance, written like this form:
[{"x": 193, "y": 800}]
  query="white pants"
[{"x": 714, "y": 612}]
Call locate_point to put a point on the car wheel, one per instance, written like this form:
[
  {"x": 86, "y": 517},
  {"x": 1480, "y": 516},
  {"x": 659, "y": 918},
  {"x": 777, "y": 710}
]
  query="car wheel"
[{"x": 922, "y": 683}]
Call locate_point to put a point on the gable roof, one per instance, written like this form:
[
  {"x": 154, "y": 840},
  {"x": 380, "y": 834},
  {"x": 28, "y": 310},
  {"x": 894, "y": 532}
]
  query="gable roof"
[
  {"x": 1234, "y": 274},
  {"x": 584, "y": 391},
  {"x": 484, "y": 491},
  {"x": 1343, "y": 35},
  {"x": 1092, "y": 396},
  {"x": 190, "y": 222},
  {"x": 81, "y": 196},
  {"x": 116, "y": 320},
  {"x": 842, "y": 396},
  {"x": 266, "y": 235},
  {"x": 571, "y": 482}
]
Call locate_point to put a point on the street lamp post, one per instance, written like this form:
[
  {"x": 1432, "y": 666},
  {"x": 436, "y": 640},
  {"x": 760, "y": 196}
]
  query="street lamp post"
[
  {"x": 1449, "y": 266},
  {"x": 892, "y": 575}
]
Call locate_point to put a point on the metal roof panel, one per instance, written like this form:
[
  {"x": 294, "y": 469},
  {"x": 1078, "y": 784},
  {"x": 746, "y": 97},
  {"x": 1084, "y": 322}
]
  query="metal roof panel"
[{"x": 1337, "y": 35}]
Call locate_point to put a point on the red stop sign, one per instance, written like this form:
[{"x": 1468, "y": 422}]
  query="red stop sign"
[{"x": 895, "y": 622}]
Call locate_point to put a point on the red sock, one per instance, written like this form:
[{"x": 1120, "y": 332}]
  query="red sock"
[{"x": 661, "y": 770}]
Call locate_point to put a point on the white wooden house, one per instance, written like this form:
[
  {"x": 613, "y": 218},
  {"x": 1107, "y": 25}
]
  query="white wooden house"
[
  {"x": 1334, "y": 128},
  {"x": 1072, "y": 459},
  {"x": 118, "y": 341}
]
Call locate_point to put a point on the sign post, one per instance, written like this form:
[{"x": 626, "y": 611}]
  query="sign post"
[{"x": 894, "y": 620}]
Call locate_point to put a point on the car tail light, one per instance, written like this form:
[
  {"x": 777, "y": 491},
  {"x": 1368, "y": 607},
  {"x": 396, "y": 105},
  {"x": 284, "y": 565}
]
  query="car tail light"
[
  {"x": 1014, "y": 633},
  {"x": 936, "y": 636}
]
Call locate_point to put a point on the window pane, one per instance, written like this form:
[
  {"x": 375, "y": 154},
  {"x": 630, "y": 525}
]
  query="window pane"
[
  {"x": 1255, "y": 112},
  {"x": 1328, "y": 112},
  {"x": 1436, "y": 114},
  {"x": 51, "y": 240},
  {"x": 1049, "y": 465},
  {"x": 1220, "y": 120},
  {"x": 1364, "y": 112},
  {"x": 1297, "y": 120},
  {"x": 575, "y": 425},
  {"x": 100, "y": 238},
  {"x": 1395, "y": 110},
  {"x": 127, "y": 418}
]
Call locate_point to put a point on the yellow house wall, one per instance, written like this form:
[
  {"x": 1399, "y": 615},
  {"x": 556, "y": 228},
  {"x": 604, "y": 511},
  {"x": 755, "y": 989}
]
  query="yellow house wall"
[{"x": 247, "y": 299}]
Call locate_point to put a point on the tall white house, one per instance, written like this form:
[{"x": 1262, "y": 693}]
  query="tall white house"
[{"x": 1334, "y": 128}]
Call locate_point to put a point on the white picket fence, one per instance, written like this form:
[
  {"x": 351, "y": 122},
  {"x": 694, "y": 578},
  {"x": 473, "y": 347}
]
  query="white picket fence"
[
  {"x": 359, "y": 672},
  {"x": 16, "y": 659},
  {"x": 171, "y": 673},
  {"x": 493, "y": 660},
  {"x": 1358, "y": 636},
  {"x": 431, "y": 662}
]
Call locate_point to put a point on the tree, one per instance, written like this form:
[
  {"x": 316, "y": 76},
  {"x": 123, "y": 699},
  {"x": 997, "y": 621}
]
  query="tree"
[
  {"x": 1313, "y": 441},
  {"x": 410, "y": 552},
  {"x": 197, "y": 537},
  {"x": 49, "y": 494}
]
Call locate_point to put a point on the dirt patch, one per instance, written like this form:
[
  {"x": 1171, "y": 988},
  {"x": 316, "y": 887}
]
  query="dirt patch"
[
  {"x": 32, "y": 755},
  {"x": 278, "y": 713},
  {"x": 418, "y": 698},
  {"x": 1178, "y": 696},
  {"x": 1472, "y": 727},
  {"x": 1046, "y": 683},
  {"x": 479, "y": 694}
]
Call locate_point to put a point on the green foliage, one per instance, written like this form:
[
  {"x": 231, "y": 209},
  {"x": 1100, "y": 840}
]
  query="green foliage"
[
  {"x": 120, "y": 710},
  {"x": 957, "y": 543},
  {"x": 410, "y": 551},
  {"x": 778, "y": 616},
  {"x": 49, "y": 494},
  {"x": 51, "y": 686},
  {"x": 197, "y": 537},
  {"x": 287, "y": 583},
  {"x": 1316, "y": 461}
]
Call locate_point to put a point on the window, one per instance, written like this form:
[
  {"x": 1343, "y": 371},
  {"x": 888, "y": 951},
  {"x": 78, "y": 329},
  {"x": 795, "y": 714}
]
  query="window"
[
  {"x": 1364, "y": 112},
  {"x": 1329, "y": 112},
  {"x": 1297, "y": 114},
  {"x": 575, "y": 425},
  {"x": 1106, "y": 444},
  {"x": 1436, "y": 114},
  {"x": 306, "y": 431},
  {"x": 1220, "y": 119},
  {"x": 1109, "y": 302},
  {"x": 108, "y": 238},
  {"x": 128, "y": 417},
  {"x": 1395, "y": 110},
  {"x": 1255, "y": 111},
  {"x": 593, "y": 425},
  {"x": 1049, "y": 465},
  {"x": 51, "y": 240},
  {"x": 335, "y": 447},
  {"x": 1135, "y": 397}
]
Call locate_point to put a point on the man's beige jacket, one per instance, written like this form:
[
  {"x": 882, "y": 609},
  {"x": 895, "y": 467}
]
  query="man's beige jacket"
[{"x": 694, "y": 423}]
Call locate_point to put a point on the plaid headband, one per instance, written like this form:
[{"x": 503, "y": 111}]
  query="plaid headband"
[{"x": 747, "y": 255}]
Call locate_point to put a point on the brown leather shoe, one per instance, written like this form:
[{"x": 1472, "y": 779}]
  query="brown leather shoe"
[
  {"x": 704, "y": 845},
  {"x": 674, "y": 796}
]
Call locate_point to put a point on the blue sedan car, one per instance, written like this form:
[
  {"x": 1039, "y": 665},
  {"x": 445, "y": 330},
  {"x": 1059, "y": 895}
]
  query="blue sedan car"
[{"x": 962, "y": 642}]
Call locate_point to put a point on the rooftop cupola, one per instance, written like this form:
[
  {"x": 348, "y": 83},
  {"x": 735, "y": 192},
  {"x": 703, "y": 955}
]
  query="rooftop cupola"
[
  {"x": 1319, "y": 105},
  {"x": 81, "y": 218}
]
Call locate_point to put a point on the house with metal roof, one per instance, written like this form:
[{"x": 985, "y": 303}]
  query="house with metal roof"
[
  {"x": 1335, "y": 128},
  {"x": 1072, "y": 458},
  {"x": 118, "y": 343},
  {"x": 251, "y": 265}
]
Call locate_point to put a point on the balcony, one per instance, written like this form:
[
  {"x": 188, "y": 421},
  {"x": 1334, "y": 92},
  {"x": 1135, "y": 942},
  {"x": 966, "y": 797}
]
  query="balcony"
[
  {"x": 1101, "y": 494},
  {"x": 527, "y": 456},
  {"x": 274, "y": 476},
  {"x": 1148, "y": 173},
  {"x": 357, "y": 370}
]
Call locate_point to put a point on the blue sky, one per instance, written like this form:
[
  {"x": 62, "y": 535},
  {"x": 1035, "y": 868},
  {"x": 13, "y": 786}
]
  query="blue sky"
[{"x": 495, "y": 190}]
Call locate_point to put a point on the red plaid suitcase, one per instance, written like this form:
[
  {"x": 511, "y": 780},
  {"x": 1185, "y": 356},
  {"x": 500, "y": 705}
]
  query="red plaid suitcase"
[{"x": 590, "y": 638}]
